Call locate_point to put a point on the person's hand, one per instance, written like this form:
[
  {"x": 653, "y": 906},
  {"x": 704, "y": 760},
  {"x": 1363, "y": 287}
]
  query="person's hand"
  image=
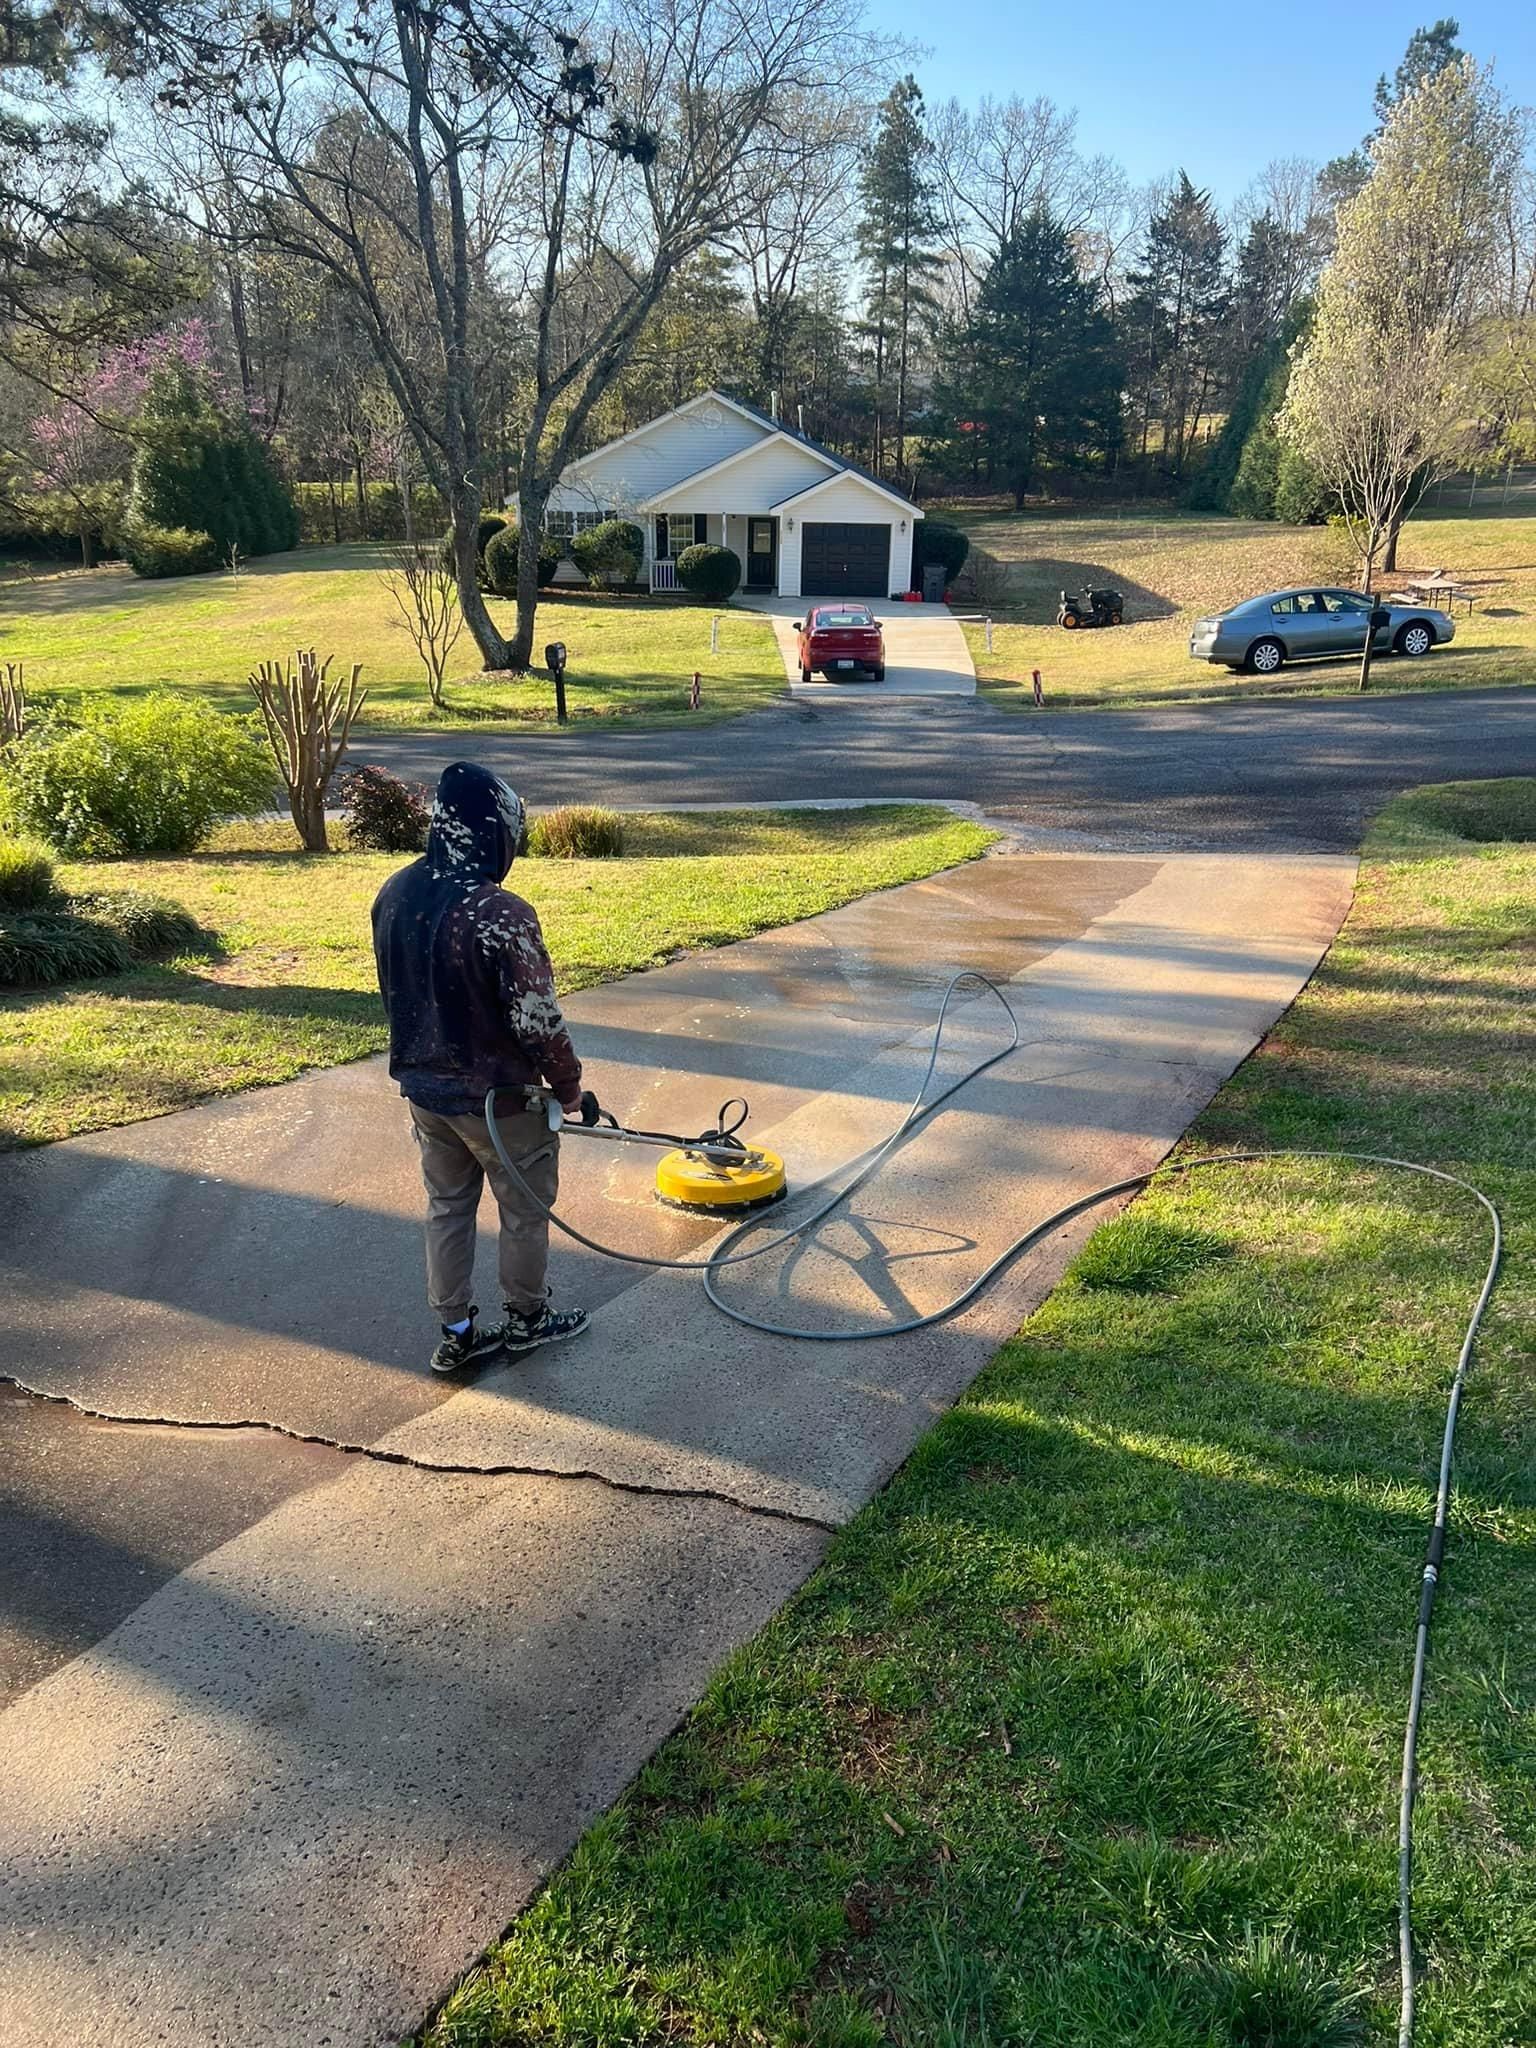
[{"x": 590, "y": 1112}]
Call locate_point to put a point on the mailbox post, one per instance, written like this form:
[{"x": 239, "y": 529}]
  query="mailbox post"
[
  {"x": 1380, "y": 619},
  {"x": 554, "y": 661}
]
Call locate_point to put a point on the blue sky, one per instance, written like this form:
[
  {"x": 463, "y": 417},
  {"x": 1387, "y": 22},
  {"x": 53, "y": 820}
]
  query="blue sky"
[{"x": 1217, "y": 86}]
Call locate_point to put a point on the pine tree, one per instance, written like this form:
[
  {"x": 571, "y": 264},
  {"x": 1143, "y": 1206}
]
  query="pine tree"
[
  {"x": 1175, "y": 319},
  {"x": 898, "y": 231},
  {"x": 1035, "y": 379},
  {"x": 1430, "y": 51},
  {"x": 1264, "y": 289}
]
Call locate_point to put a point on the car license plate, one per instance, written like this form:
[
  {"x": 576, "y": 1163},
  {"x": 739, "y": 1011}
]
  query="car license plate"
[{"x": 845, "y": 664}]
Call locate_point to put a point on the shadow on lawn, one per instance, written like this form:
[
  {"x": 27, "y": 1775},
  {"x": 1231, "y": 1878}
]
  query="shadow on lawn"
[{"x": 1033, "y": 588}]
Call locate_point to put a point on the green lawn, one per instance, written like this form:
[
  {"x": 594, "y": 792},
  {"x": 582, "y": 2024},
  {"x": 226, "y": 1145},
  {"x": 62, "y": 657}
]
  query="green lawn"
[
  {"x": 1088, "y": 1731},
  {"x": 631, "y": 659},
  {"x": 291, "y": 982},
  {"x": 1174, "y": 567}
]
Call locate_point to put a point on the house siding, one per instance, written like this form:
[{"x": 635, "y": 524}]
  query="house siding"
[
  {"x": 850, "y": 500},
  {"x": 755, "y": 484},
  {"x": 661, "y": 455}
]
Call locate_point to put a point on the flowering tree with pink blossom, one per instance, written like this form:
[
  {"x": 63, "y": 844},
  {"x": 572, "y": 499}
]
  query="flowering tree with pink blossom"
[{"x": 82, "y": 446}]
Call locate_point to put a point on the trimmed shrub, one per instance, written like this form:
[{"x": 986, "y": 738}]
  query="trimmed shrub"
[
  {"x": 82, "y": 938},
  {"x": 384, "y": 814},
  {"x": 26, "y": 872},
  {"x": 613, "y": 548},
  {"x": 148, "y": 777},
  {"x": 501, "y": 561},
  {"x": 937, "y": 541},
  {"x": 491, "y": 523},
  {"x": 168, "y": 550},
  {"x": 708, "y": 571},
  {"x": 577, "y": 832}
]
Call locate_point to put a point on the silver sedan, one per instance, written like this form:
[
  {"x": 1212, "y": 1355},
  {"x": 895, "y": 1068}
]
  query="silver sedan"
[{"x": 1304, "y": 625}]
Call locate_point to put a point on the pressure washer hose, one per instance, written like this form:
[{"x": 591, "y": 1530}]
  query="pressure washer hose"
[{"x": 920, "y": 1111}]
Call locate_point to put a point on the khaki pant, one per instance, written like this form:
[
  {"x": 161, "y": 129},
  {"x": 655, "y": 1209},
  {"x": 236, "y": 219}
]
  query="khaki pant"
[{"x": 457, "y": 1158}]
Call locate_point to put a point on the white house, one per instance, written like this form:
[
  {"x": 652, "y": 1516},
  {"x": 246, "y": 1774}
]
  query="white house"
[{"x": 802, "y": 521}]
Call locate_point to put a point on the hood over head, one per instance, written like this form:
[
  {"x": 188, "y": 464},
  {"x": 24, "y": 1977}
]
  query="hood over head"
[{"x": 477, "y": 826}]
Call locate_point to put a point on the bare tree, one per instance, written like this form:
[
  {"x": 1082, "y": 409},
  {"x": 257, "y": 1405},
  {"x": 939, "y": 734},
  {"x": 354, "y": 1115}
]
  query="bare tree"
[
  {"x": 308, "y": 722},
  {"x": 425, "y": 592},
  {"x": 711, "y": 89},
  {"x": 796, "y": 199},
  {"x": 997, "y": 165}
]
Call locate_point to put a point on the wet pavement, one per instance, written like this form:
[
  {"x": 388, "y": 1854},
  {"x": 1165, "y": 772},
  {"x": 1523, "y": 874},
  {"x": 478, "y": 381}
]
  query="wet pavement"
[{"x": 364, "y": 1706}]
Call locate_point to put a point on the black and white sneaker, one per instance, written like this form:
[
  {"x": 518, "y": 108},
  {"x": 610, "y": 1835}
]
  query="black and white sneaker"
[
  {"x": 545, "y": 1325},
  {"x": 462, "y": 1347}
]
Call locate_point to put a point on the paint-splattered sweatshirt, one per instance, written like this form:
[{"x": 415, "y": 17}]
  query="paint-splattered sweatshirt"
[{"x": 463, "y": 971}]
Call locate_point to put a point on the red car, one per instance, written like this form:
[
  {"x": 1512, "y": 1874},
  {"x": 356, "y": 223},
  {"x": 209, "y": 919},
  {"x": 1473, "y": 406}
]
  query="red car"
[{"x": 840, "y": 639}]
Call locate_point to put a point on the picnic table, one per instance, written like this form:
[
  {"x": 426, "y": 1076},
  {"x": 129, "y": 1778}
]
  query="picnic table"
[{"x": 1432, "y": 590}]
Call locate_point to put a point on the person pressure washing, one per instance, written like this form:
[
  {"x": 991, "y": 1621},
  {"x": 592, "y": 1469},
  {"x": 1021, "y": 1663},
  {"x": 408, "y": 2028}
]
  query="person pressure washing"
[{"x": 470, "y": 994}]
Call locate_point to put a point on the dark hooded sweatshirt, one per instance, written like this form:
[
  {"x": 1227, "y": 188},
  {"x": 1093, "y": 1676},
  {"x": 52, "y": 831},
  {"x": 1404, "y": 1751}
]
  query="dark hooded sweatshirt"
[{"x": 462, "y": 967}]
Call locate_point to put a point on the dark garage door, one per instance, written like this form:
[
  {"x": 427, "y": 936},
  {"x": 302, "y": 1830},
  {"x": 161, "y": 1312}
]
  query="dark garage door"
[{"x": 846, "y": 561}]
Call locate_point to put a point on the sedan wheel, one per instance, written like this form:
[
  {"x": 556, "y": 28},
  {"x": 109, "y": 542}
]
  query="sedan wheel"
[
  {"x": 1415, "y": 639},
  {"x": 1265, "y": 656}
]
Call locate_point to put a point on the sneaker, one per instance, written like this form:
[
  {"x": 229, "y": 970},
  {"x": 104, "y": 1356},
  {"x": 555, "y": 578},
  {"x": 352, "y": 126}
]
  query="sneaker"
[
  {"x": 545, "y": 1325},
  {"x": 462, "y": 1347}
]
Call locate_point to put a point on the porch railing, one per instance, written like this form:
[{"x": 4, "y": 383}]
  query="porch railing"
[{"x": 664, "y": 575}]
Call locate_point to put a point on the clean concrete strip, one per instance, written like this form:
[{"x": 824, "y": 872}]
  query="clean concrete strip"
[{"x": 297, "y": 1790}]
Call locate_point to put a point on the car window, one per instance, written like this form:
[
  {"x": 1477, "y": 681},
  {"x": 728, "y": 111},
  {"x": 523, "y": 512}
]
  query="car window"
[
  {"x": 1344, "y": 601},
  {"x": 1308, "y": 601},
  {"x": 847, "y": 617},
  {"x": 1283, "y": 606}
]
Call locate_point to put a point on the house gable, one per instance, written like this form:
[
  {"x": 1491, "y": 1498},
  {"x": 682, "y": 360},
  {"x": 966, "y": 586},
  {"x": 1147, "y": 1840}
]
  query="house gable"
[
  {"x": 857, "y": 492},
  {"x": 624, "y": 474},
  {"x": 753, "y": 479}
]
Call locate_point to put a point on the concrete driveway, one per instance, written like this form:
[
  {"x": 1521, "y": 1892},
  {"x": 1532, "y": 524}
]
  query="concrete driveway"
[
  {"x": 925, "y": 652},
  {"x": 297, "y": 1726}
]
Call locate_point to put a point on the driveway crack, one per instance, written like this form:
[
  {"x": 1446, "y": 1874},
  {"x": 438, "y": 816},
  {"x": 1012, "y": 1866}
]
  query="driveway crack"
[{"x": 376, "y": 1454}]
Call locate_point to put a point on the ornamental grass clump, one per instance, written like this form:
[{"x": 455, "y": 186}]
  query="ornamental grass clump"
[{"x": 577, "y": 832}]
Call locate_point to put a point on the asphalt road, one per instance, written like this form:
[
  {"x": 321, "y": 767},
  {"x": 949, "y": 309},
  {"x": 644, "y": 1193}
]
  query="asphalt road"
[{"x": 1300, "y": 774}]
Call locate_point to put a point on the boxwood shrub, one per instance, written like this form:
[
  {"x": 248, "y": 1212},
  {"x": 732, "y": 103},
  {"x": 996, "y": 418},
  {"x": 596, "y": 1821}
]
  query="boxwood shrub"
[
  {"x": 501, "y": 561},
  {"x": 938, "y": 541},
  {"x": 709, "y": 571},
  {"x": 614, "y": 547},
  {"x": 168, "y": 550}
]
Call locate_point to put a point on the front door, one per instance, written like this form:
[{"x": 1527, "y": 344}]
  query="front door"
[{"x": 762, "y": 554}]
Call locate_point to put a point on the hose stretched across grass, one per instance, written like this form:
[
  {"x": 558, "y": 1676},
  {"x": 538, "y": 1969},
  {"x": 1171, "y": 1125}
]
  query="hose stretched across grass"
[{"x": 922, "y": 1108}]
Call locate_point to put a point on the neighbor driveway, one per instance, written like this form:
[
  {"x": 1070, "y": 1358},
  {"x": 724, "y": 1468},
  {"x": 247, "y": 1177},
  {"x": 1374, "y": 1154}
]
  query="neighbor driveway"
[{"x": 925, "y": 651}]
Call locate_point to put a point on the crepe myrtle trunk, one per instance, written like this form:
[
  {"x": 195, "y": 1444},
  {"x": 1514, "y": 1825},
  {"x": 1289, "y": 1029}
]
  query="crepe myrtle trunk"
[{"x": 464, "y": 503}]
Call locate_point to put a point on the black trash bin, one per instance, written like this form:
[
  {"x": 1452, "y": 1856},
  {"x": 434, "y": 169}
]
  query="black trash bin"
[{"x": 933, "y": 583}]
